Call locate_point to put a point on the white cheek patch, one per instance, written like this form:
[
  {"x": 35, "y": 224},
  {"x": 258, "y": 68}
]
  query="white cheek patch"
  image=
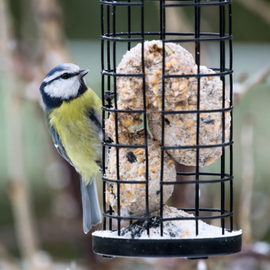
[{"x": 63, "y": 89}]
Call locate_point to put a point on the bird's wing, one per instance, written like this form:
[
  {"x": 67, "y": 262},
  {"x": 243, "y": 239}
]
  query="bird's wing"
[
  {"x": 59, "y": 146},
  {"x": 96, "y": 123},
  {"x": 95, "y": 118}
]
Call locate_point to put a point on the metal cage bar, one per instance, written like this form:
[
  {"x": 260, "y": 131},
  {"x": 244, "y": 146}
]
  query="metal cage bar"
[
  {"x": 198, "y": 62},
  {"x": 116, "y": 37},
  {"x": 111, "y": 40}
]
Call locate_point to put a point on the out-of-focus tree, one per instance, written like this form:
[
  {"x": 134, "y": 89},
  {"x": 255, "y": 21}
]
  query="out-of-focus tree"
[{"x": 82, "y": 18}]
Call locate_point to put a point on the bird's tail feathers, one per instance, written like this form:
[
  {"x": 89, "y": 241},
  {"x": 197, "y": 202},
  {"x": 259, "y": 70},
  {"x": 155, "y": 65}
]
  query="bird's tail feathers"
[{"x": 90, "y": 205}]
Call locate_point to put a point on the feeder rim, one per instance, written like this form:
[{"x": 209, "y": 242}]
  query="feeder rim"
[{"x": 140, "y": 3}]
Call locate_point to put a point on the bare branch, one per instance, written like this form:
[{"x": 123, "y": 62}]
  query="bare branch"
[
  {"x": 240, "y": 89},
  {"x": 19, "y": 193},
  {"x": 51, "y": 36}
]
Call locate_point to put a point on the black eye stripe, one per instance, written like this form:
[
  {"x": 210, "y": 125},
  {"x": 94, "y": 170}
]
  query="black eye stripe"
[
  {"x": 66, "y": 76},
  {"x": 59, "y": 77}
]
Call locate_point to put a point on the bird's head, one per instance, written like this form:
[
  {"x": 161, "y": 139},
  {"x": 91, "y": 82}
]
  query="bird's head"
[{"x": 63, "y": 83}]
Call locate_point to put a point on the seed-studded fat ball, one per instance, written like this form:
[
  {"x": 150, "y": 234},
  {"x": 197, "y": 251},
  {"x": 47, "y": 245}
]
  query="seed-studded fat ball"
[
  {"x": 181, "y": 129},
  {"x": 180, "y": 95},
  {"x": 132, "y": 166}
]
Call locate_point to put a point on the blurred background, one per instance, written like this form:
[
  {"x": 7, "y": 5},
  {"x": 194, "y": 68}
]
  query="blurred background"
[{"x": 40, "y": 211}]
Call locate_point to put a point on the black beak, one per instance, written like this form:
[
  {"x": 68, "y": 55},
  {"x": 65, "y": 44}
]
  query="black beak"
[{"x": 83, "y": 72}]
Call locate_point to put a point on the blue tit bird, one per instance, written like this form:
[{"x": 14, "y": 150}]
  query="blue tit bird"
[{"x": 73, "y": 116}]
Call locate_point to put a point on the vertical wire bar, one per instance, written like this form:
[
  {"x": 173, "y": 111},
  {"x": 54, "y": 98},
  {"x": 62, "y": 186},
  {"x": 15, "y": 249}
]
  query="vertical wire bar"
[
  {"x": 108, "y": 48},
  {"x": 129, "y": 43},
  {"x": 161, "y": 19},
  {"x": 222, "y": 69},
  {"x": 145, "y": 121},
  {"x": 162, "y": 37},
  {"x": 197, "y": 60},
  {"x": 103, "y": 112},
  {"x": 231, "y": 113},
  {"x": 109, "y": 78},
  {"x": 116, "y": 125},
  {"x": 102, "y": 44},
  {"x": 129, "y": 25}
]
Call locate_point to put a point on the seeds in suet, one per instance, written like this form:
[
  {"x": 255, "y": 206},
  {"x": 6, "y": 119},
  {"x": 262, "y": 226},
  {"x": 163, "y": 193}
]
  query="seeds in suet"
[
  {"x": 138, "y": 151},
  {"x": 141, "y": 171},
  {"x": 189, "y": 123},
  {"x": 131, "y": 157}
]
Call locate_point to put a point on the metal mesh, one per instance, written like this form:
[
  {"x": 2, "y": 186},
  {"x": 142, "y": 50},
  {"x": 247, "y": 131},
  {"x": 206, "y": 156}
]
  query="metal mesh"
[{"x": 116, "y": 38}]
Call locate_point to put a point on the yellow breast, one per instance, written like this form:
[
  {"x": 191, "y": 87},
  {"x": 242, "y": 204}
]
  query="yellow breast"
[{"x": 78, "y": 135}]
